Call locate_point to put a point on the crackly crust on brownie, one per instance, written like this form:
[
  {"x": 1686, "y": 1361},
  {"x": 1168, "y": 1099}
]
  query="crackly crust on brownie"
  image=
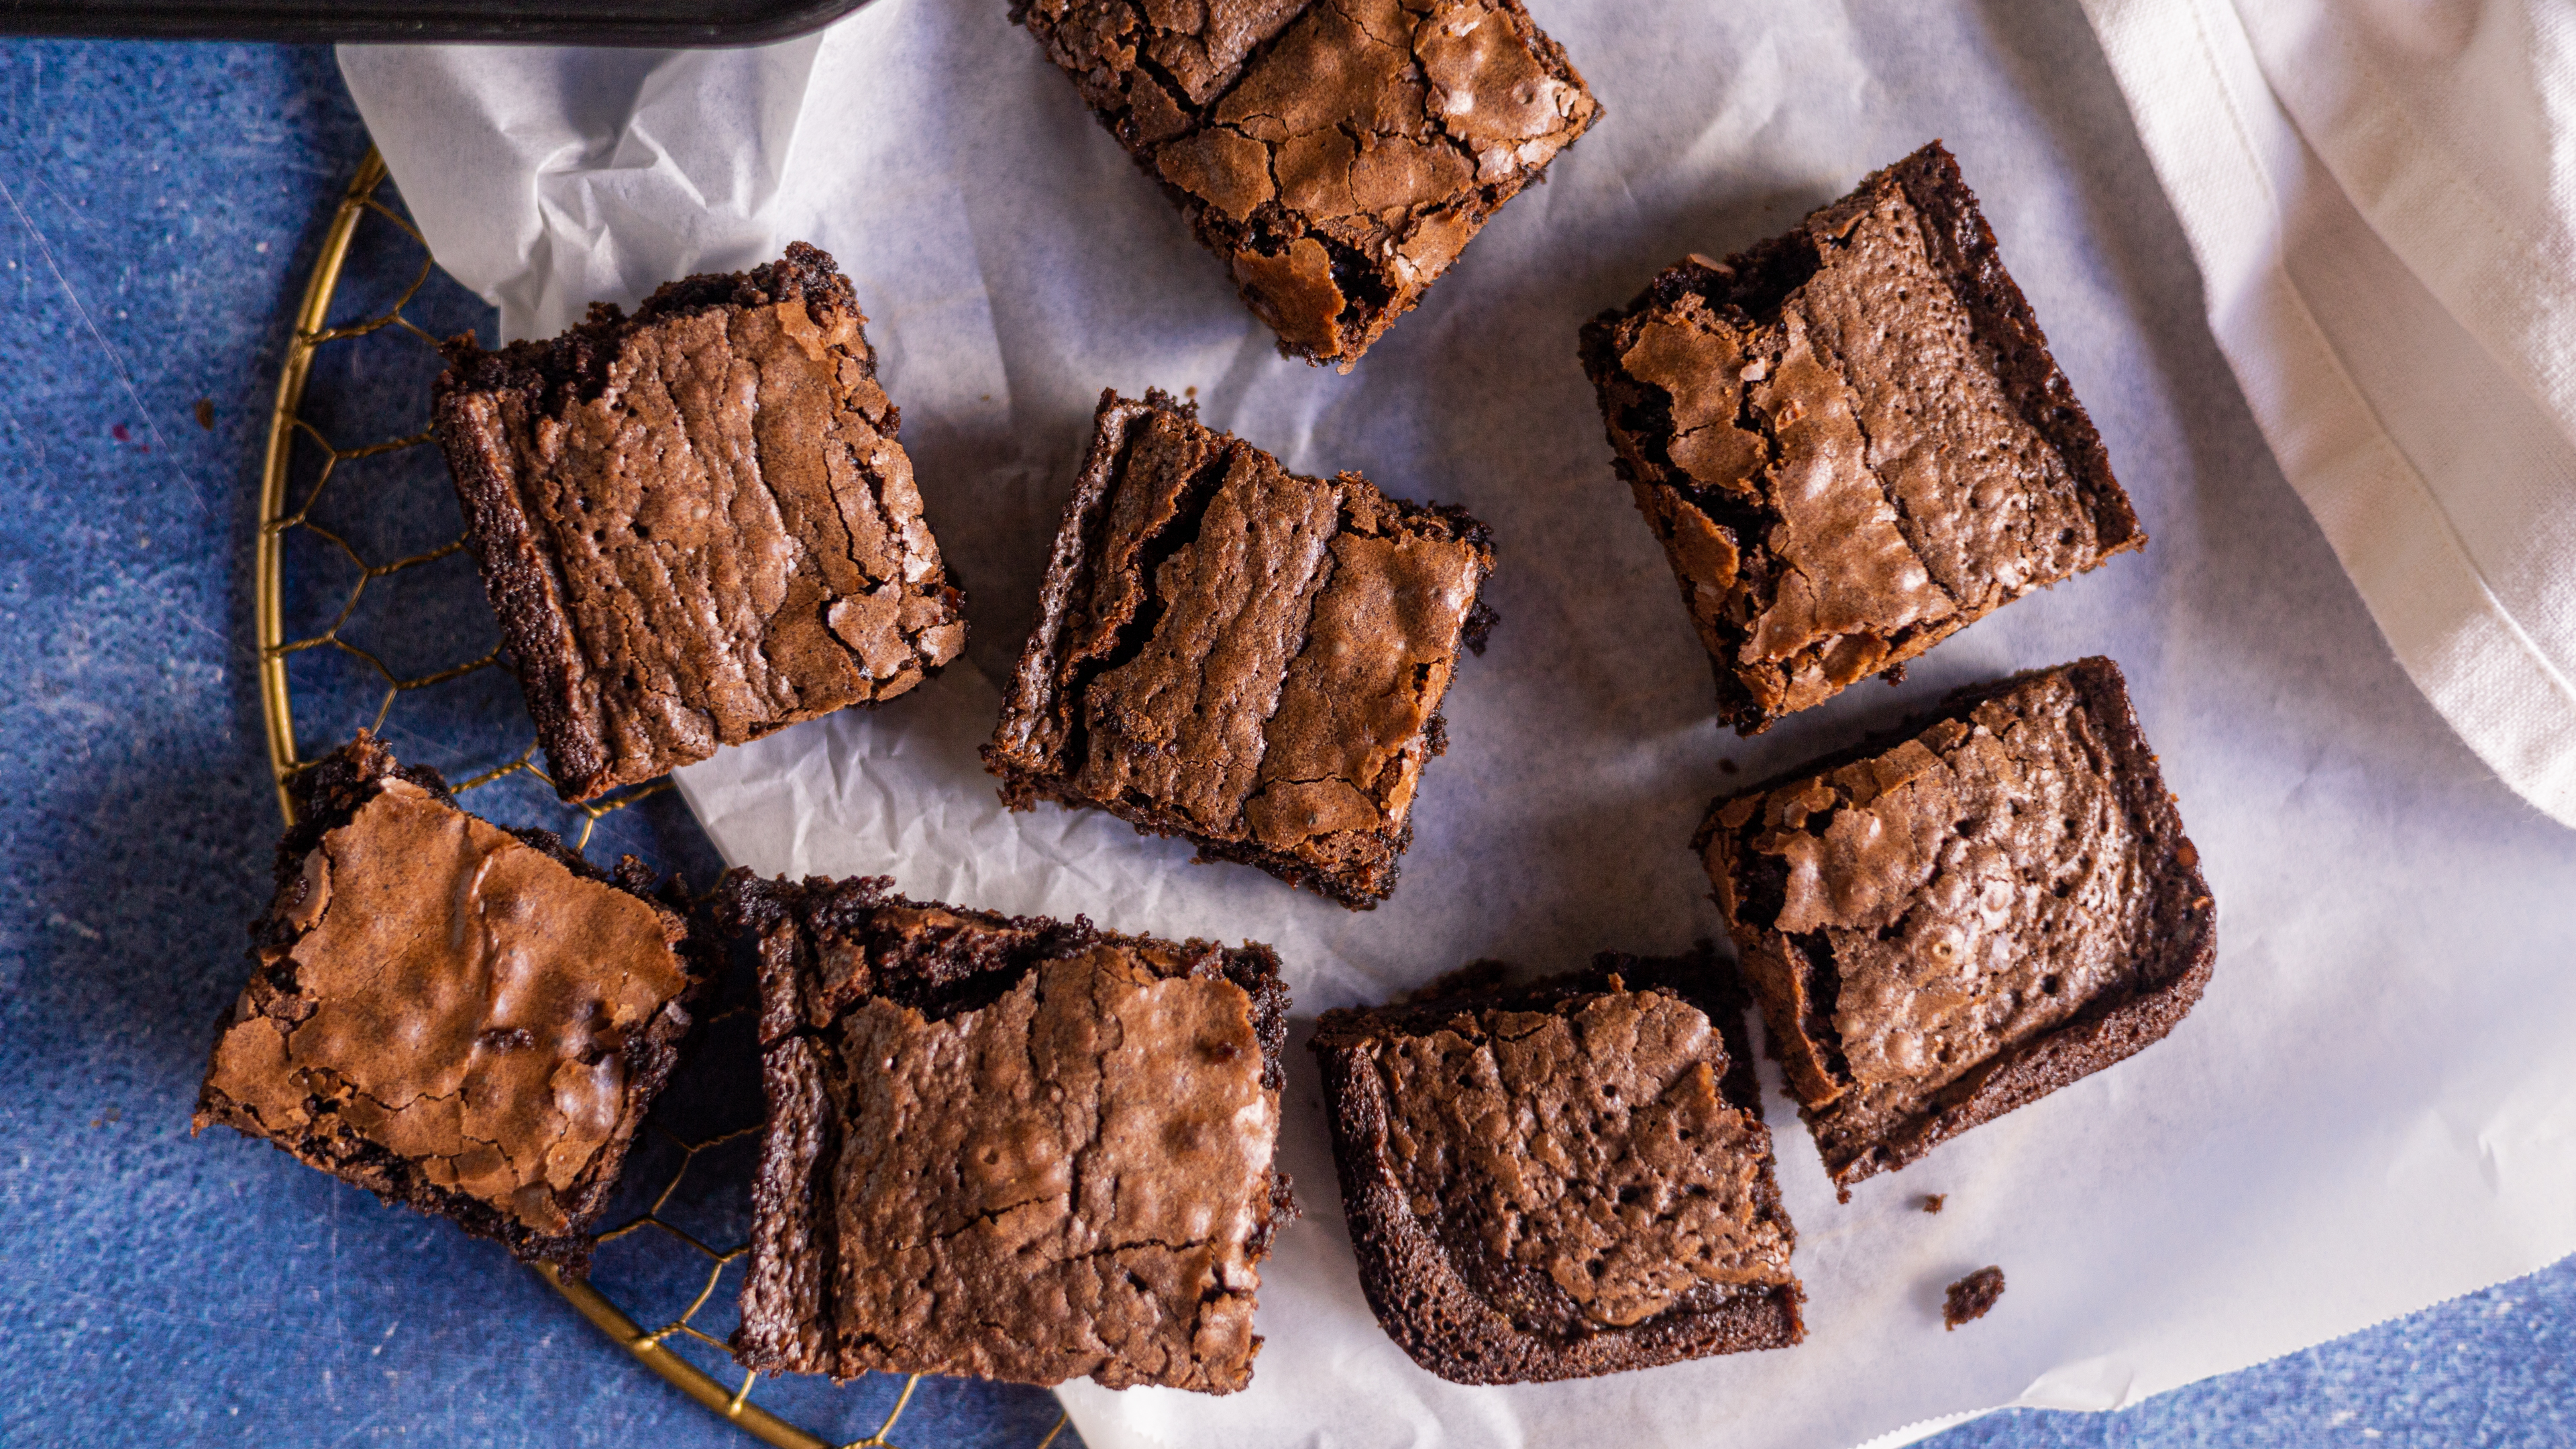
[
  {"x": 1338, "y": 154},
  {"x": 1851, "y": 440},
  {"x": 1959, "y": 917},
  {"x": 551, "y": 1047},
  {"x": 1597, "y": 1230},
  {"x": 965, "y": 1173},
  {"x": 696, "y": 524},
  {"x": 1241, "y": 656}
]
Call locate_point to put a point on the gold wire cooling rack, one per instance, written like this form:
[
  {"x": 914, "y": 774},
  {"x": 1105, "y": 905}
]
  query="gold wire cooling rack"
[{"x": 292, "y": 439}]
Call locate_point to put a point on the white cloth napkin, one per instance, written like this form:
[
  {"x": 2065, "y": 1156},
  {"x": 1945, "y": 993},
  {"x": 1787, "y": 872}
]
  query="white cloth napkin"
[{"x": 2381, "y": 195}]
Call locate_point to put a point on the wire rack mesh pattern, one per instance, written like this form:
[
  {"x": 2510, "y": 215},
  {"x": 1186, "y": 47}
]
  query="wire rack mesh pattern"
[{"x": 369, "y": 614}]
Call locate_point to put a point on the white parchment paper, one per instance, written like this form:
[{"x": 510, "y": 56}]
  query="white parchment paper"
[{"x": 2373, "y": 1109}]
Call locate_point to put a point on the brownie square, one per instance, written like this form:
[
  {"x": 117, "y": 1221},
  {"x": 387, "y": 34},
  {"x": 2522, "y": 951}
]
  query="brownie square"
[
  {"x": 1337, "y": 154},
  {"x": 1006, "y": 1146},
  {"x": 1239, "y": 655},
  {"x": 1852, "y": 441},
  {"x": 1564, "y": 1180},
  {"x": 1958, "y": 919},
  {"x": 467, "y": 1019},
  {"x": 695, "y": 523}
]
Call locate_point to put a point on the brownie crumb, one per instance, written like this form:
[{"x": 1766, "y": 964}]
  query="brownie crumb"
[
  {"x": 1934, "y": 1201},
  {"x": 1972, "y": 1297},
  {"x": 206, "y": 413}
]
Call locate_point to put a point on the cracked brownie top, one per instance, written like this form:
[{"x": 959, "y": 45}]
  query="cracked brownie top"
[
  {"x": 451, "y": 1014},
  {"x": 1009, "y": 1147},
  {"x": 696, "y": 524},
  {"x": 1564, "y": 1180},
  {"x": 1241, "y": 655},
  {"x": 1851, "y": 440},
  {"x": 1942, "y": 927},
  {"x": 1337, "y": 153}
]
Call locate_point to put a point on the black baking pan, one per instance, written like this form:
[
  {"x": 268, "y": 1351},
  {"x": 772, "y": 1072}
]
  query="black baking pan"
[{"x": 531, "y": 22}]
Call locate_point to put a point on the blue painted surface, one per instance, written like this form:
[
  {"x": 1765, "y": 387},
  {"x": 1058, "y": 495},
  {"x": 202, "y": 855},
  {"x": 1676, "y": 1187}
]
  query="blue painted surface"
[{"x": 159, "y": 207}]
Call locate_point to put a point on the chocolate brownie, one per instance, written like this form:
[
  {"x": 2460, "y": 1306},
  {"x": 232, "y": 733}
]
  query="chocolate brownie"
[
  {"x": 467, "y": 1019},
  {"x": 1233, "y": 653},
  {"x": 1006, "y": 1146},
  {"x": 1851, "y": 440},
  {"x": 1959, "y": 919},
  {"x": 1564, "y": 1180},
  {"x": 1338, "y": 154},
  {"x": 695, "y": 523}
]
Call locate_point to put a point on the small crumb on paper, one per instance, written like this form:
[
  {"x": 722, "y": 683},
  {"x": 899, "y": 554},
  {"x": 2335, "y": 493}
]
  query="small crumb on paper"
[
  {"x": 1933, "y": 1201},
  {"x": 1972, "y": 1297}
]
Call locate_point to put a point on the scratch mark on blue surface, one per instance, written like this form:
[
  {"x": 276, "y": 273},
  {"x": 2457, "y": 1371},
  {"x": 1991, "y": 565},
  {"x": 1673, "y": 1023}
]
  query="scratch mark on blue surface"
[
  {"x": 86, "y": 933},
  {"x": 365, "y": 1425},
  {"x": 114, "y": 359},
  {"x": 231, "y": 646},
  {"x": 70, "y": 215}
]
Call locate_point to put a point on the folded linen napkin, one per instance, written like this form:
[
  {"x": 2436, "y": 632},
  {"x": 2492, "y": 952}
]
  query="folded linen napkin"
[{"x": 2382, "y": 200}]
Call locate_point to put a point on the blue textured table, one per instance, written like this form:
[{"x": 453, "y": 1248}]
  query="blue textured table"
[{"x": 163, "y": 205}]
